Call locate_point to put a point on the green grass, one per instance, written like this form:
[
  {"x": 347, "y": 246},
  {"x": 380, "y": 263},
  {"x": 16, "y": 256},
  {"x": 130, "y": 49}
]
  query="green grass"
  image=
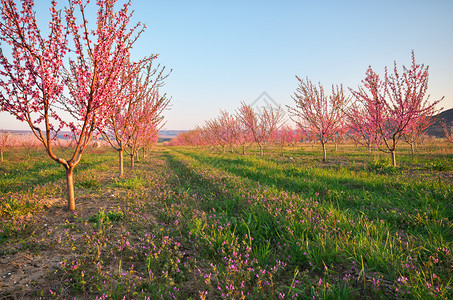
[
  {"x": 191, "y": 223},
  {"x": 129, "y": 183},
  {"x": 378, "y": 215}
]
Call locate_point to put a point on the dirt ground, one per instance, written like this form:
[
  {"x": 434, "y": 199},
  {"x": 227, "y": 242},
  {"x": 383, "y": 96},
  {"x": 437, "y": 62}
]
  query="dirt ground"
[{"x": 28, "y": 267}]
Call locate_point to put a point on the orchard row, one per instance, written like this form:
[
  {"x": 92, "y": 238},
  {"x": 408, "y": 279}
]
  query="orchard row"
[
  {"x": 79, "y": 79},
  {"x": 379, "y": 114}
]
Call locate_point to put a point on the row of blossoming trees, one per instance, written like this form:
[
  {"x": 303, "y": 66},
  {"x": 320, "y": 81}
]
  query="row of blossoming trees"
[
  {"x": 383, "y": 111},
  {"x": 79, "y": 79}
]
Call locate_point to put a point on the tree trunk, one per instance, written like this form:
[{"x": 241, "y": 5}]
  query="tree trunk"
[
  {"x": 393, "y": 154},
  {"x": 120, "y": 164},
  {"x": 243, "y": 149},
  {"x": 223, "y": 148},
  {"x": 132, "y": 160},
  {"x": 283, "y": 153},
  {"x": 70, "y": 188},
  {"x": 336, "y": 147},
  {"x": 261, "y": 151},
  {"x": 1, "y": 155},
  {"x": 324, "y": 153},
  {"x": 413, "y": 148}
]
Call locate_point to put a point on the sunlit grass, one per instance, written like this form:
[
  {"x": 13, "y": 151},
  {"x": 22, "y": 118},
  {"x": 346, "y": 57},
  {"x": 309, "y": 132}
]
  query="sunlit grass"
[{"x": 195, "y": 223}]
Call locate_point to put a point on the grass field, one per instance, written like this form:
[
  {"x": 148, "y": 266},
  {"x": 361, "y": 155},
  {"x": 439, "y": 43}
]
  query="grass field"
[{"x": 192, "y": 223}]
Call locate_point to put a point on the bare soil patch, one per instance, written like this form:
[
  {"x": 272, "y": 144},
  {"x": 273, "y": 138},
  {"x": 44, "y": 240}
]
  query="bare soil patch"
[{"x": 27, "y": 267}]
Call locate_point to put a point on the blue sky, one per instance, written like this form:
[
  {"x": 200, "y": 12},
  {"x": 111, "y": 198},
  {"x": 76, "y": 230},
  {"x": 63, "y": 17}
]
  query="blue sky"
[{"x": 225, "y": 52}]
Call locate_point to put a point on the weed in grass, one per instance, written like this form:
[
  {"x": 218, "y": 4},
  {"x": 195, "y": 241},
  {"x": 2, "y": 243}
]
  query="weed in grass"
[
  {"x": 101, "y": 217},
  {"x": 382, "y": 166},
  {"x": 129, "y": 183},
  {"x": 89, "y": 183},
  {"x": 439, "y": 166}
]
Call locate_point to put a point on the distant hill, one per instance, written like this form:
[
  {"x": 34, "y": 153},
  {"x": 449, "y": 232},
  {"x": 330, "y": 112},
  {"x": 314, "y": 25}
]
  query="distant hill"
[
  {"x": 170, "y": 133},
  {"x": 167, "y": 135},
  {"x": 164, "y": 135},
  {"x": 436, "y": 129}
]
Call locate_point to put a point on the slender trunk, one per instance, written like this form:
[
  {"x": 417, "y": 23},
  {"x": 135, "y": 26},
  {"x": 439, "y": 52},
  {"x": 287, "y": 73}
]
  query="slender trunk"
[
  {"x": 1, "y": 155},
  {"x": 70, "y": 188},
  {"x": 283, "y": 154},
  {"x": 132, "y": 160},
  {"x": 324, "y": 153},
  {"x": 336, "y": 147},
  {"x": 243, "y": 149},
  {"x": 412, "y": 148},
  {"x": 120, "y": 164},
  {"x": 393, "y": 154},
  {"x": 144, "y": 152},
  {"x": 137, "y": 156},
  {"x": 223, "y": 148},
  {"x": 261, "y": 151},
  {"x": 369, "y": 149}
]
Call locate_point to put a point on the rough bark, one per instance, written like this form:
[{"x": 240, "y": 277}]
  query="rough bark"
[
  {"x": 324, "y": 152},
  {"x": 120, "y": 164},
  {"x": 70, "y": 188},
  {"x": 393, "y": 154},
  {"x": 413, "y": 147}
]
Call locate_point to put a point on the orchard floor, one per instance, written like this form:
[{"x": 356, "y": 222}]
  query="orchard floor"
[{"x": 198, "y": 223}]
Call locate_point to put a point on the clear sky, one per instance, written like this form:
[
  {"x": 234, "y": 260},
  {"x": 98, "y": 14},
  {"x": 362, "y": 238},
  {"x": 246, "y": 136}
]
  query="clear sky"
[{"x": 225, "y": 52}]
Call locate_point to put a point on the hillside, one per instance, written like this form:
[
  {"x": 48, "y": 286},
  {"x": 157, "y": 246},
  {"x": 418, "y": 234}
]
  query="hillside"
[
  {"x": 164, "y": 135},
  {"x": 436, "y": 129}
]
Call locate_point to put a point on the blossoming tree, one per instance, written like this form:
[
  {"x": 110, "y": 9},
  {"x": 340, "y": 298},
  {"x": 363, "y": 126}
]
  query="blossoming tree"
[
  {"x": 260, "y": 126},
  {"x": 138, "y": 84},
  {"x": 283, "y": 137},
  {"x": 448, "y": 130},
  {"x": 415, "y": 131},
  {"x": 215, "y": 133},
  {"x": 223, "y": 129},
  {"x": 147, "y": 120},
  {"x": 5, "y": 141},
  {"x": 318, "y": 113},
  {"x": 39, "y": 79},
  {"x": 392, "y": 106}
]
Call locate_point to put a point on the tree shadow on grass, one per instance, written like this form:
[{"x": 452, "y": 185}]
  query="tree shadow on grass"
[{"x": 393, "y": 202}]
